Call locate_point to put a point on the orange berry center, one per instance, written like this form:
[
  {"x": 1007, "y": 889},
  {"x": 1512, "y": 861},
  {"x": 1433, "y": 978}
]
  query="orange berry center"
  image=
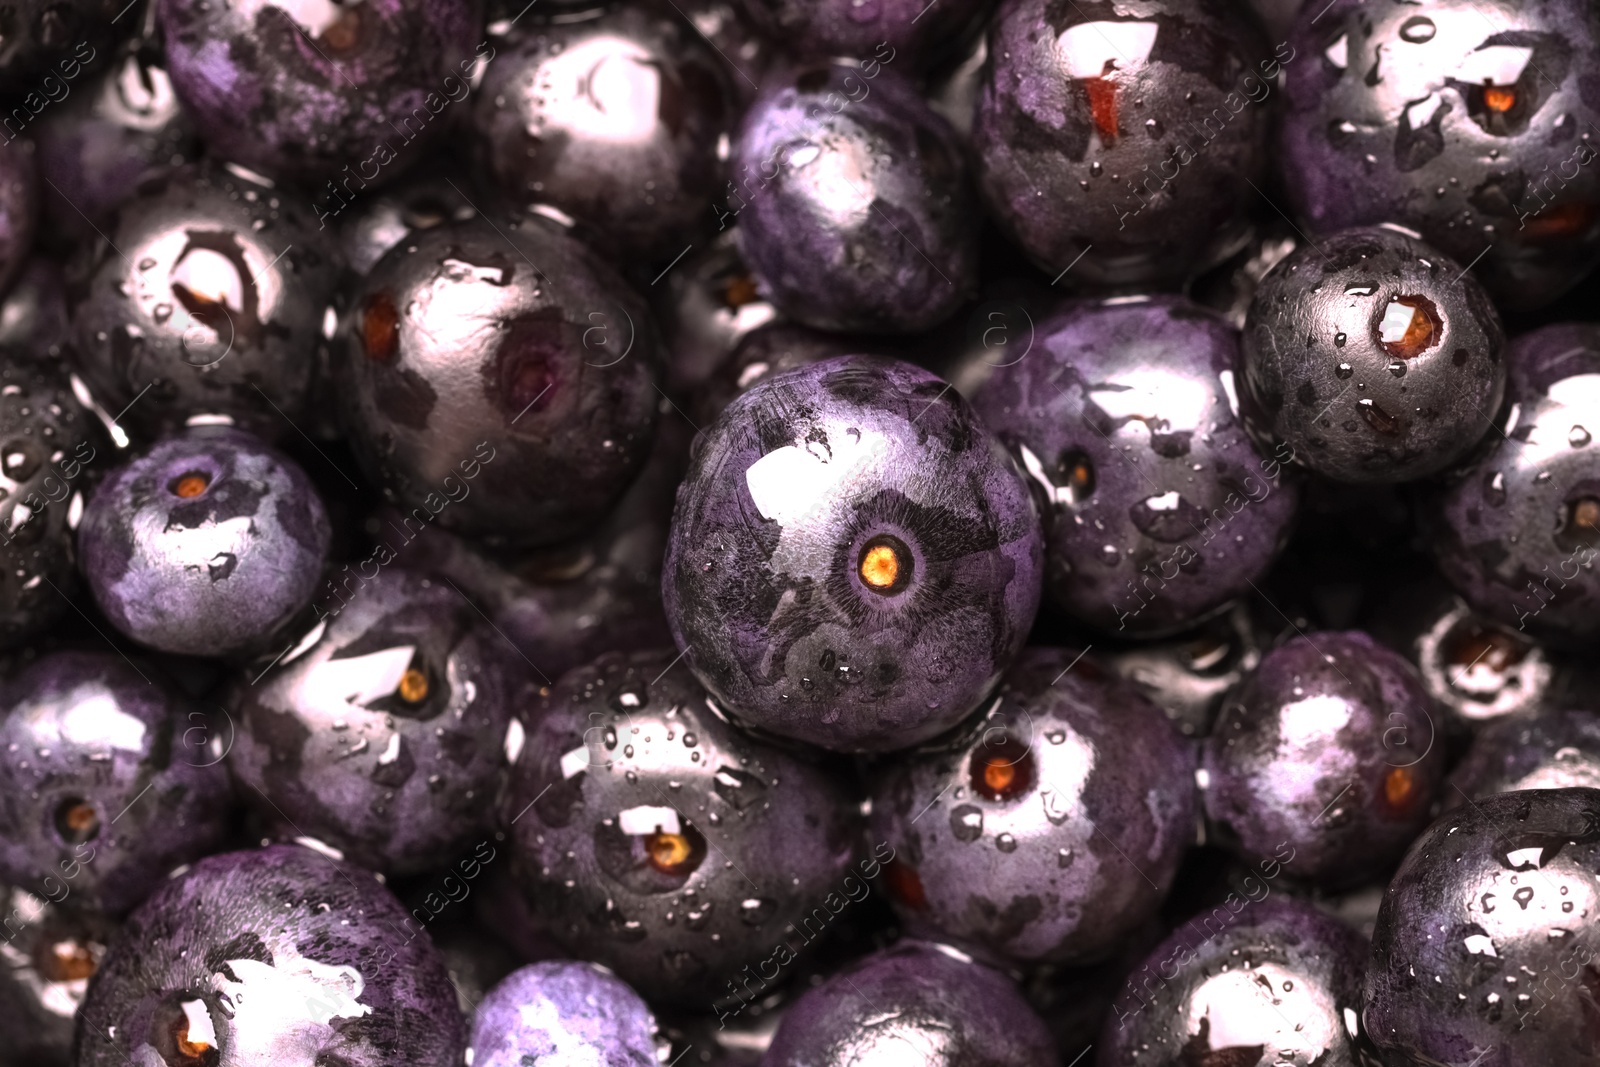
[
  {"x": 1500, "y": 98},
  {"x": 413, "y": 687},
  {"x": 191, "y": 485},
  {"x": 669, "y": 853}
]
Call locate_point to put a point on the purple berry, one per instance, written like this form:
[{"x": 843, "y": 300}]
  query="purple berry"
[
  {"x": 1502, "y": 888},
  {"x": 107, "y": 781},
  {"x": 50, "y": 958},
  {"x": 1374, "y": 357},
  {"x": 1161, "y": 510},
  {"x": 278, "y": 955},
  {"x": 206, "y": 545},
  {"x": 914, "y": 1003},
  {"x": 854, "y": 560},
  {"x": 1329, "y": 751},
  {"x": 652, "y": 837},
  {"x": 300, "y": 91},
  {"x": 1463, "y": 121},
  {"x": 1519, "y": 533},
  {"x": 854, "y": 205},
  {"x": 1255, "y": 981},
  {"x": 575, "y": 1014},
  {"x": 1555, "y": 749},
  {"x": 385, "y": 736},
  {"x": 911, "y": 34},
  {"x": 1051, "y": 828},
  {"x": 1122, "y": 146},
  {"x": 503, "y": 380}
]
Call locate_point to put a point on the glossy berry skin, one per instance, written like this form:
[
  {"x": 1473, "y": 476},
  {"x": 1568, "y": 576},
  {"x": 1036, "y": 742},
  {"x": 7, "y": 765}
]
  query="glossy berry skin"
[
  {"x": 52, "y": 957},
  {"x": 514, "y": 402},
  {"x": 564, "y": 1012},
  {"x": 1503, "y": 887},
  {"x": 85, "y": 734},
  {"x": 275, "y": 955},
  {"x": 1161, "y": 509},
  {"x": 854, "y": 559},
  {"x": 46, "y": 448},
  {"x": 1130, "y": 143},
  {"x": 902, "y": 32},
  {"x": 707, "y": 304},
  {"x": 855, "y": 210},
  {"x": 215, "y": 303},
  {"x": 914, "y": 1003},
  {"x": 1052, "y": 828},
  {"x": 1555, "y": 749},
  {"x": 1329, "y": 750},
  {"x": 311, "y": 93},
  {"x": 206, "y": 545},
  {"x": 1376, "y": 358},
  {"x": 665, "y": 844},
  {"x": 1464, "y": 122},
  {"x": 613, "y": 120},
  {"x": 118, "y": 131},
  {"x": 386, "y": 738},
  {"x": 1252, "y": 983},
  {"x": 1519, "y": 534}
]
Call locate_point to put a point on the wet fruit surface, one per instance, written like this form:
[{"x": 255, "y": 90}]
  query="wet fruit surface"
[
  {"x": 570, "y": 1012},
  {"x": 1053, "y": 829},
  {"x": 809, "y": 491}
]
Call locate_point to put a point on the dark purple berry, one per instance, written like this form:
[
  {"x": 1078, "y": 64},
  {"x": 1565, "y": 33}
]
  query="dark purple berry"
[
  {"x": 854, "y": 559},
  {"x": 109, "y": 780},
  {"x": 1374, "y": 357},
  {"x": 613, "y": 120},
  {"x": 206, "y": 545},
  {"x": 1486, "y": 944},
  {"x": 1554, "y": 749},
  {"x": 318, "y": 91},
  {"x": 708, "y": 303},
  {"x": 50, "y": 958},
  {"x": 1329, "y": 750},
  {"x": 1253, "y": 982},
  {"x": 563, "y": 1012},
  {"x": 1481, "y": 671},
  {"x": 652, "y": 837},
  {"x": 278, "y": 955},
  {"x": 1122, "y": 145},
  {"x": 911, "y": 34},
  {"x": 854, "y": 205},
  {"x": 209, "y": 297},
  {"x": 1463, "y": 121},
  {"x": 1051, "y": 828},
  {"x": 916, "y": 1003},
  {"x": 46, "y": 451},
  {"x": 384, "y": 732},
  {"x": 501, "y": 379},
  {"x": 1161, "y": 511},
  {"x": 1518, "y": 534}
]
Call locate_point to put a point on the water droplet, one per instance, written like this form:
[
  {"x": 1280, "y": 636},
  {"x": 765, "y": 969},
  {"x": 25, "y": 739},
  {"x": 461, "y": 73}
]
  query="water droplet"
[
  {"x": 740, "y": 789},
  {"x": 966, "y": 823},
  {"x": 1578, "y": 437},
  {"x": 689, "y": 739},
  {"x": 756, "y": 910},
  {"x": 1417, "y": 29},
  {"x": 1055, "y": 737},
  {"x": 1005, "y": 843},
  {"x": 1344, "y": 370},
  {"x": 1523, "y": 896},
  {"x": 1056, "y": 808},
  {"x": 1153, "y": 127},
  {"x": 1063, "y": 857},
  {"x": 1339, "y": 340},
  {"x": 1397, "y": 367},
  {"x": 1095, "y": 169},
  {"x": 1494, "y": 489}
]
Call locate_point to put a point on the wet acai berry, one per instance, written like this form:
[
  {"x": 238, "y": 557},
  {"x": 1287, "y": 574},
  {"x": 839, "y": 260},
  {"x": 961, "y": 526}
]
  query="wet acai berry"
[
  {"x": 564, "y": 1012},
  {"x": 1482, "y": 671},
  {"x": 1328, "y": 753},
  {"x": 500, "y": 381},
  {"x": 613, "y": 120},
  {"x": 47, "y": 458},
  {"x": 207, "y": 544},
  {"x": 909, "y": 34},
  {"x": 1119, "y": 147},
  {"x": 50, "y": 958},
  {"x": 1161, "y": 511},
  {"x": 1373, "y": 356},
  {"x": 1555, "y": 749},
  {"x": 208, "y": 297},
  {"x": 383, "y": 732},
  {"x": 652, "y": 837},
  {"x": 1188, "y": 675},
  {"x": 1052, "y": 828},
  {"x": 1519, "y": 534},
  {"x": 917, "y": 1003},
  {"x": 108, "y": 781},
  {"x": 340, "y": 95},
  {"x": 1502, "y": 888},
  {"x": 854, "y": 559},
  {"x": 276, "y": 955},
  {"x": 1252, "y": 983},
  {"x": 1465, "y": 121},
  {"x": 855, "y": 210}
]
